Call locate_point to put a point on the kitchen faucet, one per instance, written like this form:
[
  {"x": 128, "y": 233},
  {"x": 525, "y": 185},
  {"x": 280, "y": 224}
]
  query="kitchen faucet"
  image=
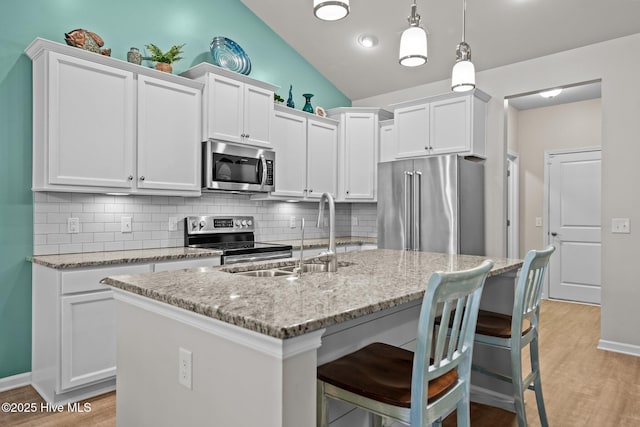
[{"x": 330, "y": 257}]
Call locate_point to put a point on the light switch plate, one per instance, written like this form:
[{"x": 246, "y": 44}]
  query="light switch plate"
[
  {"x": 173, "y": 223},
  {"x": 185, "y": 368},
  {"x": 292, "y": 222},
  {"x": 73, "y": 225},
  {"x": 125, "y": 224},
  {"x": 620, "y": 225},
  {"x": 538, "y": 221}
]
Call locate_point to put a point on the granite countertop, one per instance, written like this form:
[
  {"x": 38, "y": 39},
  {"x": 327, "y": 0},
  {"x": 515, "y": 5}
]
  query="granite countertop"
[
  {"x": 92, "y": 259},
  {"x": 284, "y": 307}
]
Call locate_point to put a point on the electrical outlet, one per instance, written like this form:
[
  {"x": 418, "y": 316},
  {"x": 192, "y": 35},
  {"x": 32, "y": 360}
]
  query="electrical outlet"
[
  {"x": 185, "y": 359},
  {"x": 125, "y": 224},
  {"x": 73, "y": 225},
  {"x": 292, "y": 222},
  {"x": 173, "y": 223},
  {"x": 620, "y": 225},
  {"x": 538, "y": 221}
]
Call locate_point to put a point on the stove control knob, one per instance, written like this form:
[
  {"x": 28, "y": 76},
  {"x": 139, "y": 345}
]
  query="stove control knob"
[
  {"x": 244, "y": 223},
  {"x": 194, "y": 225},
  {"x": 237, "y": 223},
  {"x": 249, "y": 222},
  {"x": 203, "y": 223}
]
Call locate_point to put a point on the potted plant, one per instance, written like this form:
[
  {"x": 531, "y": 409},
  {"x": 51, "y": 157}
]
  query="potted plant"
[{"x": 164, "y": 60}]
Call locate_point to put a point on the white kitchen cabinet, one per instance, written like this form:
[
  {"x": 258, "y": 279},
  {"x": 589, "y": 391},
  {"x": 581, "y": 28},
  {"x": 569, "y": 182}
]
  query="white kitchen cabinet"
[
  {"x": 236, "y": 108},
  {"x": 388, "y": 141},
  {"x": 446, "y": 124},
  {"x": 305, "y": 147},
  {"x": 358, "y": 152},
  {"x": 168, "y": 113},
  {"x": 101, "y": 124},
  {"x": 73, "y": 327}
]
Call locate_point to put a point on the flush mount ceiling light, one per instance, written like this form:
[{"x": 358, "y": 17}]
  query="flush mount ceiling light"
[
  {"x": 463, "y": 75},
  {"x": 413, "y": 43},
  {"x": 550, "y": 93},
  {"x": 330, "y": 10},
  {"x": 368, "y": 41}
]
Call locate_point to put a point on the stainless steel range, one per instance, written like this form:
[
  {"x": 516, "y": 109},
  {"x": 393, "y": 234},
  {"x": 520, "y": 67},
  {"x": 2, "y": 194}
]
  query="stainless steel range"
[{"x": 233, "y": 235}]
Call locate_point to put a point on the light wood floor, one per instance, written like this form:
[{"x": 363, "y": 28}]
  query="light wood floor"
[{"x": 583, "y": 386}]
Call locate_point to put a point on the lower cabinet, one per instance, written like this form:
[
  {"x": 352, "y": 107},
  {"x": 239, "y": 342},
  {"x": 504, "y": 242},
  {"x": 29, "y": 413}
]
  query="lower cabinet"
[{"x": 73, "y": 328}]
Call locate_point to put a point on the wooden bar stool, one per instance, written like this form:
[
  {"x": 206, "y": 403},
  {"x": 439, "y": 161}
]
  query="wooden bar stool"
[
  {"x": 396, "y": 384},
  {"x": 496, "y": 330}
]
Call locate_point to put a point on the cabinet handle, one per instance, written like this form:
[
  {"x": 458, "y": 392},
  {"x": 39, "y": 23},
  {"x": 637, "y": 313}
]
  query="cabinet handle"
[
  {"x": 246, "y": 136},
  {"x": 243, "y": 136},
  {"x": 142, "y": 178},
  {"x": 130, "y": 178}
]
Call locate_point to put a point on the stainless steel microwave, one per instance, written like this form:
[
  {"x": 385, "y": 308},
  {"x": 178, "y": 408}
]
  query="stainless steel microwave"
[{"x": 237, "y": 167}]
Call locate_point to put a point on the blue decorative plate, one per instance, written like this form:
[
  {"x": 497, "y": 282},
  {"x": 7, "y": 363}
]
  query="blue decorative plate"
[{"x": 228, "y": 54}]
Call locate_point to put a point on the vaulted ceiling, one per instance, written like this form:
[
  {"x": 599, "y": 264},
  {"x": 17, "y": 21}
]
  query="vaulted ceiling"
[{"x": 499, "y": 31}]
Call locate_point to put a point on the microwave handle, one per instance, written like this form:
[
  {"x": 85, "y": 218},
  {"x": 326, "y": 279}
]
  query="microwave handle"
[{"x": 264, "y": 171}]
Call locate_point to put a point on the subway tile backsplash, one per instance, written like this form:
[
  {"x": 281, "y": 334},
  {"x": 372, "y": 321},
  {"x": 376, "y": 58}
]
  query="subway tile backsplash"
[{"x": 100, "y": 220}]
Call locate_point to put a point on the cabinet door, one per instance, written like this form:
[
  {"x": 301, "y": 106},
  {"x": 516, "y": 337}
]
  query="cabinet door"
[
  {"x": 412, "y": 130},
  {"x": 388, "y": 145},
  {"x": 258, "y": 111},
  {"x": 225, "y": 109},
  {"x": 88, "y": 333},
  {"x": 450, "y": 130},
  {"x": 360, "y": 156},
  {"x": 91, "y": 124},
  {"x": 322, "y": 146},
  {"x": 168, "y": 135},
  {"x": 290, "y": 144}
]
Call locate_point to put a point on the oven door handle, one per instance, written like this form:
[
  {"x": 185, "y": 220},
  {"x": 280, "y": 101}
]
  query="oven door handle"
[{"x": 263, "y": 181}]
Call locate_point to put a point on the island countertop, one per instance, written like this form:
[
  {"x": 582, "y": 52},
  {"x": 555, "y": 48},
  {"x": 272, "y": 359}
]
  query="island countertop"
[{"x": 284, "y": 307}]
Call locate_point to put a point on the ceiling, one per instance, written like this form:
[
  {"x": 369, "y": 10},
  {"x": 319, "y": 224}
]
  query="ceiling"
[
  {"x": 500, "y": 32},
  {"x": 574, "y": 93}
]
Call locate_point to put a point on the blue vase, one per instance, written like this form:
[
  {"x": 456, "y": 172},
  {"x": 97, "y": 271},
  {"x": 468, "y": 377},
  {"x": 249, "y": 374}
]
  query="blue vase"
[
  {"x": 307, "y": 105},
  {"x": 290, "y": 102}
]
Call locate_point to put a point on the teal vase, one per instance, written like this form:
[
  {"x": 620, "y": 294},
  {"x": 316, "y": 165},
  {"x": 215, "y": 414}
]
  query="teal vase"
[{"x": 307, "y": 105}]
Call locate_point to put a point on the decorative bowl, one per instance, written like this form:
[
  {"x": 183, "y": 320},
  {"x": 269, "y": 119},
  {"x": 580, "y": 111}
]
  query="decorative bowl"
[{"x": 228, "y": 54}]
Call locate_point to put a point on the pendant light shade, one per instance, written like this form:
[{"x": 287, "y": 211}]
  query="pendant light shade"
[
  {"x": 413, "y": 43},
  {"x": 463, "y": 75},
  {"x": 330, "y": 10}
]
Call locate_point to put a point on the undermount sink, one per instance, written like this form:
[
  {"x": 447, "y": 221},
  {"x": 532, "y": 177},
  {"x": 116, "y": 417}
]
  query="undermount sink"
[
  {"x": 288, "y": 270},
  {"x": 265, "y": 273}
]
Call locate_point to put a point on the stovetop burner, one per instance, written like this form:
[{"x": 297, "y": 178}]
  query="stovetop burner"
[{"x": 234, "y": 236}]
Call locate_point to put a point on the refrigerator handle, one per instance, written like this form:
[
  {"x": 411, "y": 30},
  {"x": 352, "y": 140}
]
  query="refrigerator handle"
[
  {"x": 408, "y": 195},
  {"x": 417, "y": 204}
]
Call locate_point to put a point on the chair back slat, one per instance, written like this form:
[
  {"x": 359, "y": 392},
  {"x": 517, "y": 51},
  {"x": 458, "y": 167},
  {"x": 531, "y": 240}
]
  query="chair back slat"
[
  {"x": 459, "y": 291},
  {"x": 529, "y": 288}
]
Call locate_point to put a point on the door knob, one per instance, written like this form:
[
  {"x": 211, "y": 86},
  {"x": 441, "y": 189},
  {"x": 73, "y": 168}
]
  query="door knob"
[{"x": 554, "y": 234}]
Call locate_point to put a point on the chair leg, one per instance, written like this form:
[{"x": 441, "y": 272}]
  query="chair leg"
[
  {"x": 321, "y": 406},
  {"x": 537, "y": 382},
  {"x": 518, "y": 389},
  {"x": 462, "y": 412}
]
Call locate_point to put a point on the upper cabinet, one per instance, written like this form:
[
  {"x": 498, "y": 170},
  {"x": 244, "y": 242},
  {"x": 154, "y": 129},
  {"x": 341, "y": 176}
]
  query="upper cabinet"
[
  {"x": 306, "y": 154},
  {"x": 451, "y": 123},
  {"x": 358, "y": 152},
  {"x": 236, "y": 108},
  {"x": 388, "y": 141},
  {"x": 105, "y": 125}
]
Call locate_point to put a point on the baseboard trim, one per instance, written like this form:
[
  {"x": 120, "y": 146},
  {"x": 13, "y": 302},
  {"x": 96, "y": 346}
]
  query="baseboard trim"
[
  {"x": 488, "y": 397},
  {"x": 618, "y": 347},
  {"x": 15, "y": 381}
]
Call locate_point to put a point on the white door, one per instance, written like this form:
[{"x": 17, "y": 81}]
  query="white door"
[
  {"x": 225, "y": 116},
  {"x": 168, "y": 134},
  {"x": 360, "y": 163},
  {"x": 449, "y": 130},
  {"x": 574, "y": 225},
  {"x": 290, "y": 143},
  {"x": 258, "y": 111},
  {"x": 513, "y": 202},
  {"x": 322, "y": 156},
  {"x": 412, "y": 131}
]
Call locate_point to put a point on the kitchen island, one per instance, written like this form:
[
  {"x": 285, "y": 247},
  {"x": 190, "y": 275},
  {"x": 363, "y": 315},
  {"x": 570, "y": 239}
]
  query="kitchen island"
[{"x": 248, "y": 346}]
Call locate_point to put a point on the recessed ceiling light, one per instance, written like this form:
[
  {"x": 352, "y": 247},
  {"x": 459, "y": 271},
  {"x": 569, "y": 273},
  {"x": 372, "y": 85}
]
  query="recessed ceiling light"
[
  {"x": 368, "y": 41},
  {"x": 550, "y": 93}
]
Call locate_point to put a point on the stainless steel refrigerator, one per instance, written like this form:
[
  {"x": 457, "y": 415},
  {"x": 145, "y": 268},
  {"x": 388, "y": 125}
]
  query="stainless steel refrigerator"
[{"x": 433, "y": 204}]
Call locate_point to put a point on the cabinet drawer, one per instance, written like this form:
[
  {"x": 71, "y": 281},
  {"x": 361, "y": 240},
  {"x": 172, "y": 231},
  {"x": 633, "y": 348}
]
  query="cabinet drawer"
[{"x": 89, "y": 279}]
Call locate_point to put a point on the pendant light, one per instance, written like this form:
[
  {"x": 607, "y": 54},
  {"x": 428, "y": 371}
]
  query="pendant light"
[
  {"x": 413, "y": 43},
  {"x": 463, "y": 75},
  {"x": 330, "y": 10}
]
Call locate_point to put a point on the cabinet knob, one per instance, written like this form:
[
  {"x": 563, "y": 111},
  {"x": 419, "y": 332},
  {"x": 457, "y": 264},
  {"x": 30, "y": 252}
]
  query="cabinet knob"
[
  {"x": 347, "y": 191},
  {"x": 130, "y": 178},
  {"x": 246, "y": 136},
  {"x": 142, "y": 178},
  {"x": 242, "y": 135},
  {"x": 311, "y": 190}
]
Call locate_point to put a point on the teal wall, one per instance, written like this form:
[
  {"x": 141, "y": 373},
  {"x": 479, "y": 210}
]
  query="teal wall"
[{"x": 122, "y": 24}]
